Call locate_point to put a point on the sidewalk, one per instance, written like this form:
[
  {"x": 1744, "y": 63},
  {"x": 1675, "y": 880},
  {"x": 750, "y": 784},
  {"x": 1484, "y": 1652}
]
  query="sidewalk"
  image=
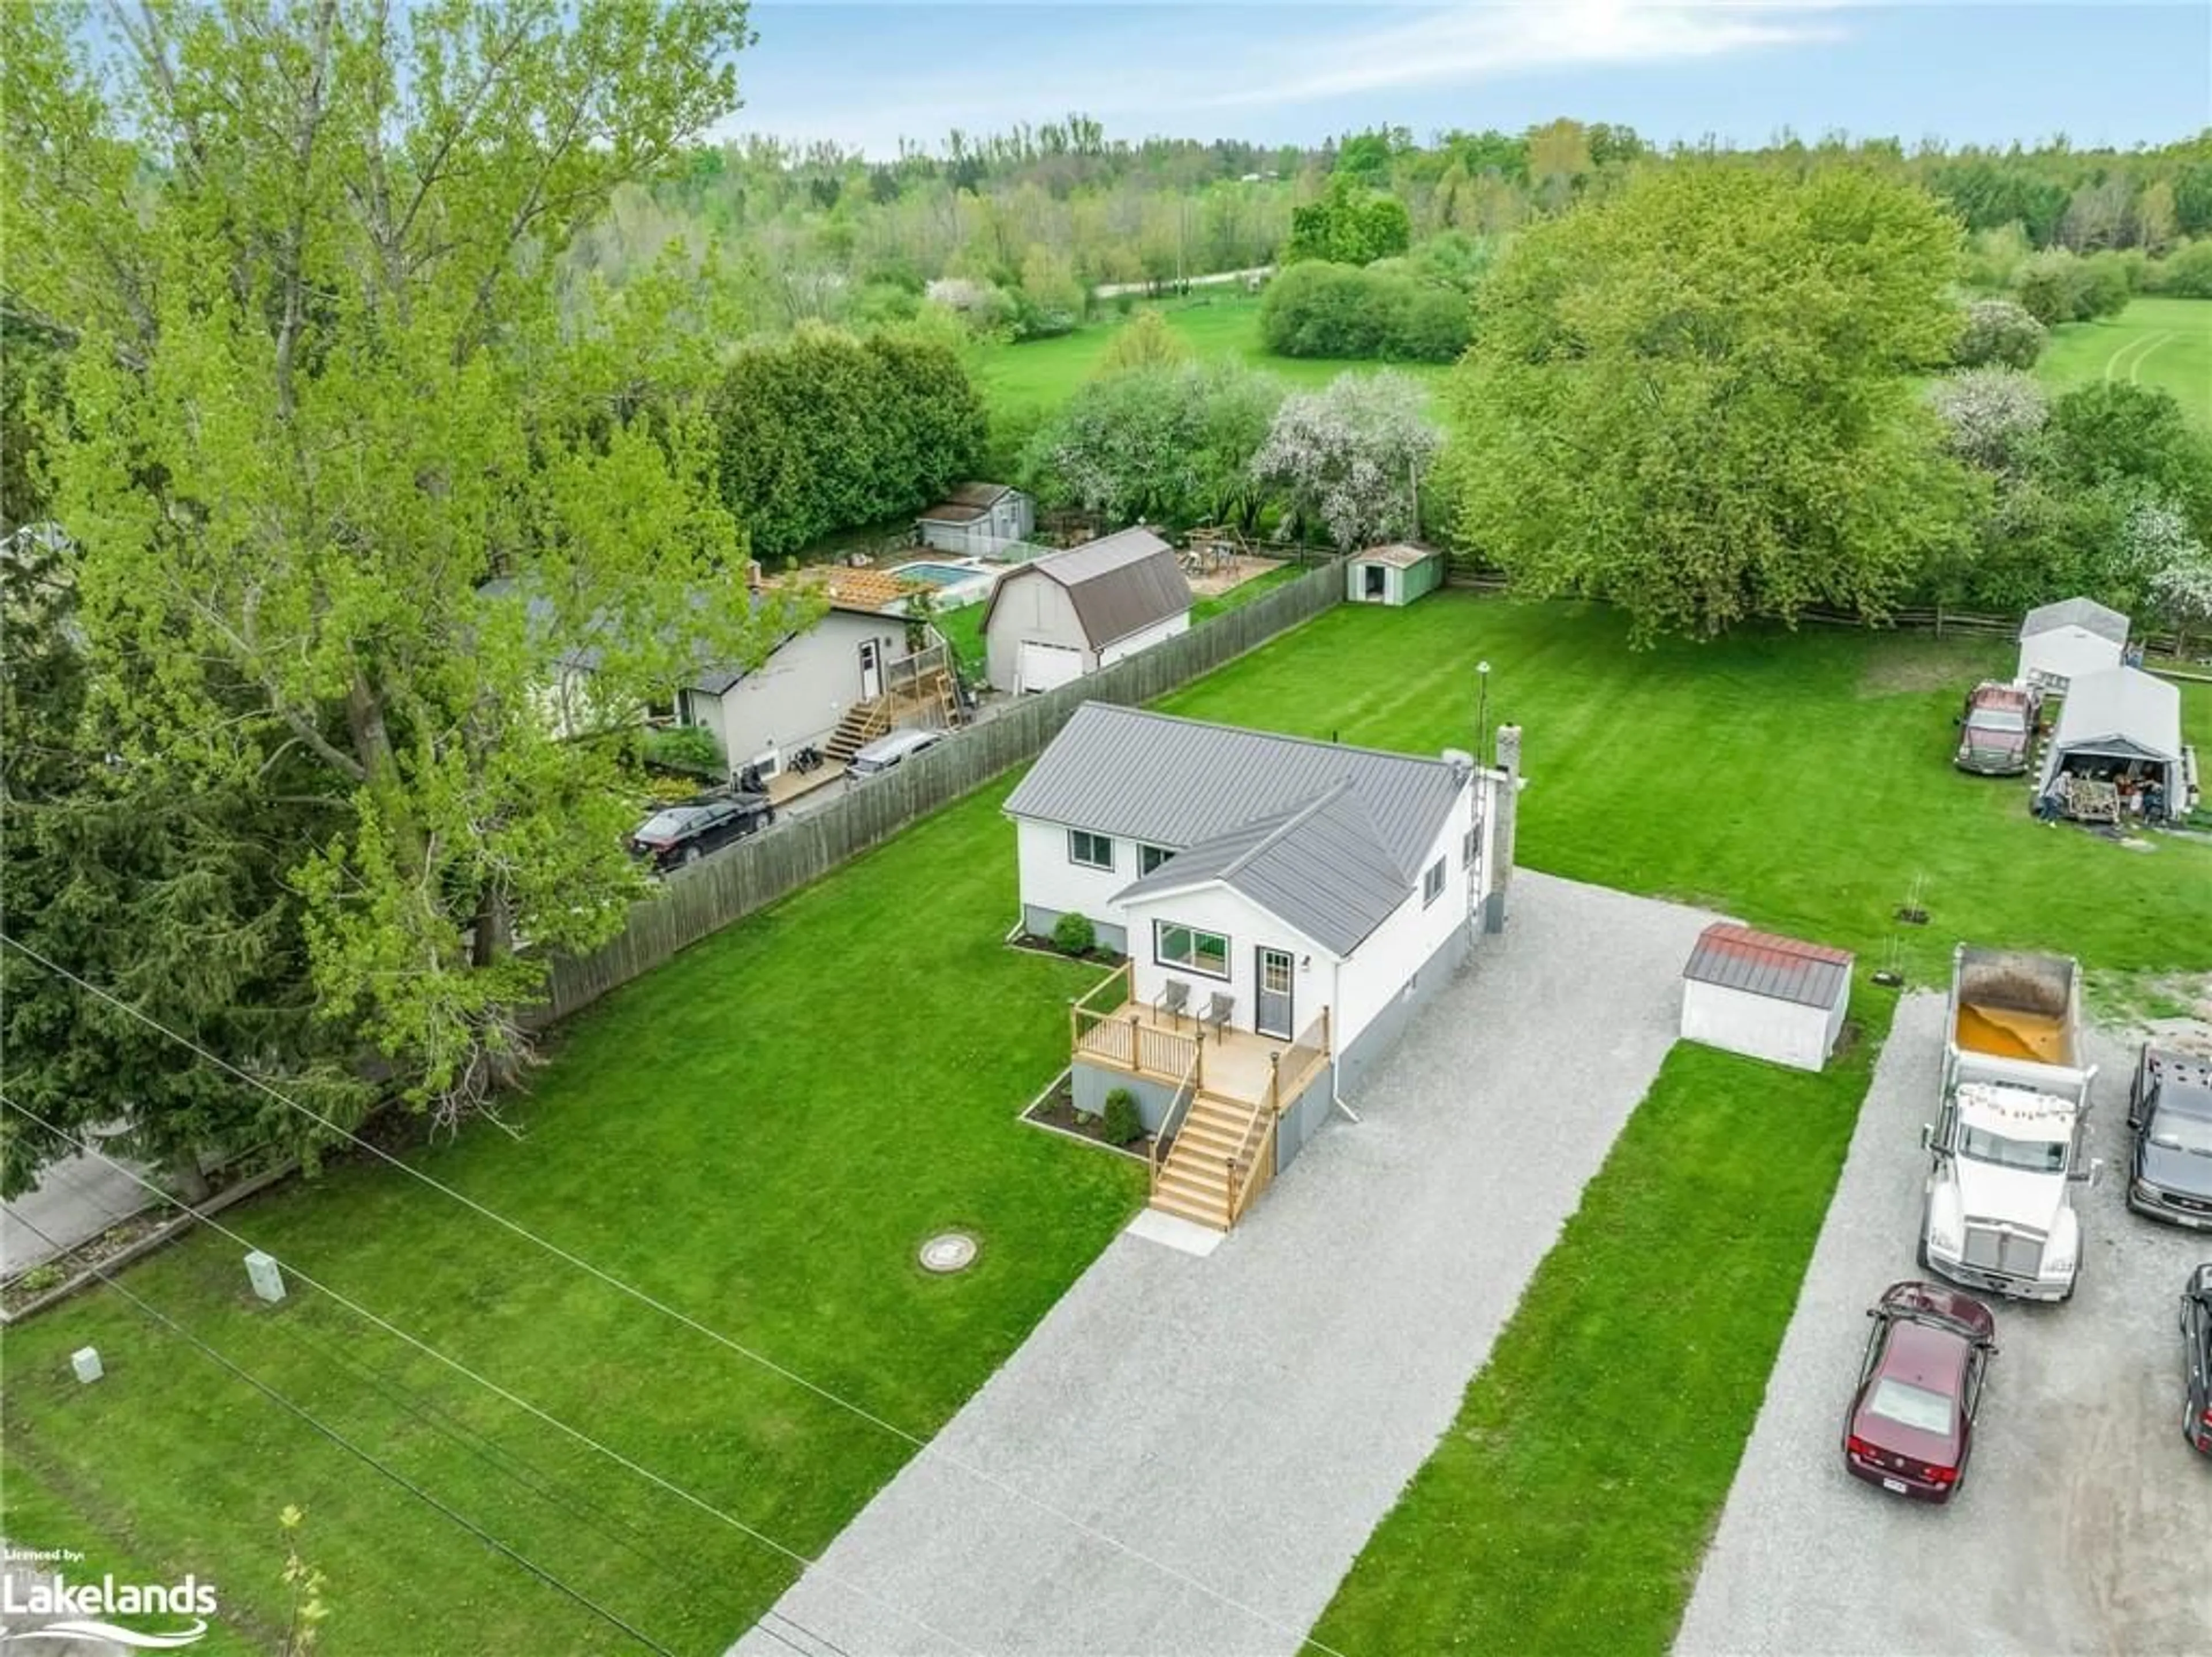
[{"x": 75, "y": 1200}]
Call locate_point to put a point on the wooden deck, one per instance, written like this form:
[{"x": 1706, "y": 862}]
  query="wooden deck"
[{"x": 1232, "y": 1063}]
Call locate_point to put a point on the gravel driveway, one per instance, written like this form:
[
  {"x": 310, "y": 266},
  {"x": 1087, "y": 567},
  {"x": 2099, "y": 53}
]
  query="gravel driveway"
[
  {"x": 2085, "y": 1523},
  {"x": 1248, "y": 1417}
]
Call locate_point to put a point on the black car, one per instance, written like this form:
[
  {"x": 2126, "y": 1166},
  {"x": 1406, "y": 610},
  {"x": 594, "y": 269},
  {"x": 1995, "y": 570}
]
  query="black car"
[
  {"x": 2170, "y": 1112},
  {"x": 683, "y": 834},
  {"x": 2197, "y": 1358}
]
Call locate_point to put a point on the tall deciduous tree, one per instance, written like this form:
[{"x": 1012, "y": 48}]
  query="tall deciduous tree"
[
  {"x": 326, "y": 383},
  {"x": 1171, "y": 444},
  {"x": 1696, "y": 397}
]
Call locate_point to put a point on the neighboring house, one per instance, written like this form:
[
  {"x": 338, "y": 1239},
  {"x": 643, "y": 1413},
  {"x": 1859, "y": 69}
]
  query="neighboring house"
[
  {"x": 1056, "y": 618},
  {"x": 1286, "y": 907},
  {"x": 569, "y": 703},
  {"x": 2062, "y": 642},
  {"x": 1395, "y": 574},
  {"x": 977, "y": 519},
  {"x": 1767, "y": 996},
  {"x": 827, "y": 687}
]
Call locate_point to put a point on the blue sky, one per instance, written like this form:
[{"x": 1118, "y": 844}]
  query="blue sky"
[{"x": 1287, "y": 72}]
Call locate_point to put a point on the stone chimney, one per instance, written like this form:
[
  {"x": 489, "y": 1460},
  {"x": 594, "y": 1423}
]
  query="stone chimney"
[{"x": 1504, "y": 801}]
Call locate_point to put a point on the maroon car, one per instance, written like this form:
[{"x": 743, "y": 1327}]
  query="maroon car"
[
  {"x": 1996, "y": 731},
  {"x": 1911, "y": 1422}
]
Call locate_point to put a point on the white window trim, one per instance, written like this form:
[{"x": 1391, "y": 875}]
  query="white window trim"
[
  {"x": 1228, "y": 951},
  {"x": 1106, "y": 840},
  {"x": 1433, "y": 878}
]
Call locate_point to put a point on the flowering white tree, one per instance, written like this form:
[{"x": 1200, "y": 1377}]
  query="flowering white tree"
[
  {"x": 1996, "y": 333},
  {"x": 1349, "y": 459},
  {"x": 2179, "y": 583},
  {"x": 1989, "y": 414}
]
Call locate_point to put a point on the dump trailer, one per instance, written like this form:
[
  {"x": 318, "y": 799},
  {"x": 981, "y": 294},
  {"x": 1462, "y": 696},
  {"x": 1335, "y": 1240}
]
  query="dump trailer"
[{"x": 2006, "y": 1149}]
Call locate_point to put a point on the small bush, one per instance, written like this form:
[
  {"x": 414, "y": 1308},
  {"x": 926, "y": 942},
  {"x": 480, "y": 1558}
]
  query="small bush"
[
  {"x": 1073, "y": 935},
  {"x": 689, "y": 748},
  {"x": 40, "y": 1278},
  {"x": 1997, "y": 333},
  {"x": 2185, "y": 273},
  {"x": 1121, "y": 1122}
]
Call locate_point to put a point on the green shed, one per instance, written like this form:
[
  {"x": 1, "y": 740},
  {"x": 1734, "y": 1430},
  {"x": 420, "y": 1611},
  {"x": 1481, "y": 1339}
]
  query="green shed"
[{"x": 1397, "y": 574}]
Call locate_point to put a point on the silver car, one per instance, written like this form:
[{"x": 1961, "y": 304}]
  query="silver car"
[{"x": 885, "y": 751}]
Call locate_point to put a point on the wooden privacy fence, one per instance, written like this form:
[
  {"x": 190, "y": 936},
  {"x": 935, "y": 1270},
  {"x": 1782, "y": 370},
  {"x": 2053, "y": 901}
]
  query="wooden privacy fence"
[{"x": 707, "y": 896}]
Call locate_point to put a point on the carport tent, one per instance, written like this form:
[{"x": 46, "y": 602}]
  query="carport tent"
[{"x": 2123, "y": 721}]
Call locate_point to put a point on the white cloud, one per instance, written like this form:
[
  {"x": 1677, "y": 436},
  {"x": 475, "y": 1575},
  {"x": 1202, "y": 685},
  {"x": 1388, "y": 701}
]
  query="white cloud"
[{"x": 1474, "y": 43}]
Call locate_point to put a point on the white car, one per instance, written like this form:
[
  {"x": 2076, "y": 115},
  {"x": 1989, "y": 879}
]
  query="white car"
[{"x": 885, "y": 751}]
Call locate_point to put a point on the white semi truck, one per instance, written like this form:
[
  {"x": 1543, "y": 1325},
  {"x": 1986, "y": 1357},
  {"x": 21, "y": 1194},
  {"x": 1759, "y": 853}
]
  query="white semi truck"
[{"x": 2007, "y": 1150}]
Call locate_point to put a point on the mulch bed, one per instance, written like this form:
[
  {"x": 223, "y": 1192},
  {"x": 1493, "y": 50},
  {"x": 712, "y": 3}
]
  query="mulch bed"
[
  {"x": 37, "y": 1281},
  {"x": 1037, "y": 945},
  {"x": 1057, "y": 1110}
]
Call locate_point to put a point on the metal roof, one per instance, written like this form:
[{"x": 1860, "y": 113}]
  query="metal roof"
[
  {"x": 967, "y": 503},
  {"x": 1290, "y": 802},
  {"x": 1398, "y": 555},
  {"x": 1764, "y": 964},
  {"x": 2100, "y": 619},
  {"x": 1321, "y": 869},
  {"x": 1119, "y": 585},
  {"x": 2122, "y": 710}
]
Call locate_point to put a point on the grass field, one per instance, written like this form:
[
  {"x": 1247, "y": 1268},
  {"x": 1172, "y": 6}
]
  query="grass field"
[
  {"x": 1024, "y": 382},
  {"x": 1566, "y": 1508},
  {"x": 1801, "y": 781},
  {"x": 2166, "y": 343},
  {"x": 761, "y": 1133}
]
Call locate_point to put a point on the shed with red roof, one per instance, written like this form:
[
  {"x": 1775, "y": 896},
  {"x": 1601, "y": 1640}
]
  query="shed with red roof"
[{"x": 1769, "y": 997}]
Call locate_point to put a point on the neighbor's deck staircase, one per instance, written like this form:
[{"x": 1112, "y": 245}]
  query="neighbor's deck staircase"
[{"x": 920, "y": 692}]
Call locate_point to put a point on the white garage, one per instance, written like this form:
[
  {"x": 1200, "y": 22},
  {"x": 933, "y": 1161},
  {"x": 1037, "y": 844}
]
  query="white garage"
[
  {"x": 2059, "y": 642},
  {"x": 1047, "y": 667},
  {"x": 1769, "y": 997},
  {"x": 1054, "y": 619}
]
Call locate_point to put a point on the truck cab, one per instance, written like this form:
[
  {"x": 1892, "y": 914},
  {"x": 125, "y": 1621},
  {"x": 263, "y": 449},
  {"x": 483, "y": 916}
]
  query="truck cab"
[{"x": 2004, "y": 1163}]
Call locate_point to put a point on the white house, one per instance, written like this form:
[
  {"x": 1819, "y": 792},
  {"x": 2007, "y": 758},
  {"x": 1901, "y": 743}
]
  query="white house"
[
  {"x": 977, "y": 521},
  {"x": 802, "y": 693},
  {"x": 1769, "y": 997},
  {"x": 1052, "y": 620},
  {"x": 2063, "y": 641},
  {"x": 1285, "y": 906}
]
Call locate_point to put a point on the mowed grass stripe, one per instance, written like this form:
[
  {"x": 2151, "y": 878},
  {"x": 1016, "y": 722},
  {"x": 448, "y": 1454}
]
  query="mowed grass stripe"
[
  {"x": 1566, "y": 1510},
  {"x": 761, "y": 1132},
  {"x": 2162, "y": 343}
]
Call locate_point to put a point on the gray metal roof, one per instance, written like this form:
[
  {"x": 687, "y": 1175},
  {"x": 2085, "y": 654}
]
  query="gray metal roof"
[
  {"x": 1399, "y": 555},
  {"x": 1119, "y": 585},
  {"x": 1320, "y": 868},
  {"x": 1763, "y": 964},
  {"x": 967, "y": 503},
  {"x": 2100, "y": 619},
  {"x": 1188, "y": 786},
  {"x": 2122, "y": 710}
]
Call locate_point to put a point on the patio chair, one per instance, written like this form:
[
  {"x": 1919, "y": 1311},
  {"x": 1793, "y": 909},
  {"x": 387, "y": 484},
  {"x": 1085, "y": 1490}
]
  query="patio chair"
[
  {"x": 1218, "y": 1007},
  {"x": 1174, "y": 1000}
]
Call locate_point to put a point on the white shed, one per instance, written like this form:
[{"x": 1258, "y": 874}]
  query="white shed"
[
  {"x": 1057, "y": 618},
  {"x": 977, "y": 521},
  {"x": 2062, "y": 642},
  {"x": 1769, "y": 997}
]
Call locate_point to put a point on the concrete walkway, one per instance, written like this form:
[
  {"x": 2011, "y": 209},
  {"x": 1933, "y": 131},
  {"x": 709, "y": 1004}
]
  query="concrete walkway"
[
  {"x": 1246, "y": 1418},
  {"x": 75, "y": 1200}
]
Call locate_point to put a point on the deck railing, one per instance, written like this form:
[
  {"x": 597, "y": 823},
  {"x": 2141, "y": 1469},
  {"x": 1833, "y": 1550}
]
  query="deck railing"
[
  {"x": 1296, "y": 1065},
  {"x": 1094, "y": 1026},
  {"x": 1252, "y": 1165},
  {"x": 1171, "y": 1124}
]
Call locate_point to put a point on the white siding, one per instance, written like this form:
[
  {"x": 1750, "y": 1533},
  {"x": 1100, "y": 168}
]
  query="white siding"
[
  {"x": 803, "y": 690},
  {"x": 1050, "y": 882},
  {"x": 1247, "y": 928},
  {"x": 1760, "y": 1027},
  {"x": 1144, "y": 639},
  {"x": 2065, "y": 652},
  {"x": 1383, "y": 966},
  {"x": 1029, "y": 605}
]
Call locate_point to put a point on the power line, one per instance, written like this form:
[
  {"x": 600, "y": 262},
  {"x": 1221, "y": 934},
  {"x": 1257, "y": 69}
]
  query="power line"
[
  {"x": 613, "y": 1618},
  {"x": 794, "y": 1554},
  {"x": 922, "y": 1447}
]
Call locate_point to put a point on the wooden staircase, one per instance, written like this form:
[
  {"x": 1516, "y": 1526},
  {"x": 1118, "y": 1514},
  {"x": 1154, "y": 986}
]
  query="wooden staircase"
[
  {"x": 864, "y": 722},
  {"x": 921, "y": 694},
  {"x": 1194, "y": 1181}
]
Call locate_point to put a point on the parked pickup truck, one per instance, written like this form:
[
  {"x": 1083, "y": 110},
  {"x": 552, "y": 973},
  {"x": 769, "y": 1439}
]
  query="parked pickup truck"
[
  {"x": 2007, "y": 1149},
  {"x": 2170, "y": 1113}
]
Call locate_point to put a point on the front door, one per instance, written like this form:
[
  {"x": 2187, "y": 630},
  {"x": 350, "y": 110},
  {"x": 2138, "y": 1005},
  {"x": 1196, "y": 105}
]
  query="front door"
[
  {"x": 1271, "y": 1007},
  {"x": 872, "y": 669}
]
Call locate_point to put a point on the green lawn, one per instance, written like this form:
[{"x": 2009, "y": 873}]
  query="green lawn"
[
  {"x": 1566, "y": 1508},
  {"x": 1024, "y": 382},
  {"x": 1804, "y": 782},
  {"x": 2166, "y": 343},
  {"x": 760, "y": 1133},
  {"x": 1801, "y": 781}
]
